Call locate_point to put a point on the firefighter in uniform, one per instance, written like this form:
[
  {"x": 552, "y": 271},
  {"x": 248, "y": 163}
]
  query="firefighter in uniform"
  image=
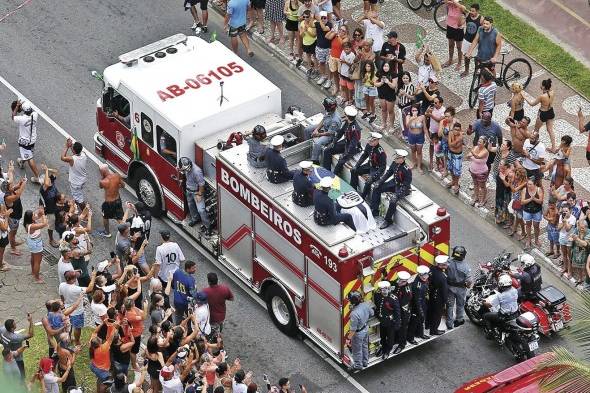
[
  {"x": 375, "y": 167},
  {"x": 438, "y": 294},
  {"x": 419, "y": 305},
  {"x": 388, "y": 312},
  {"x": 404, "y": 294},
  {"x": 459, "y": 279},
  {"x": 530, "y": 278},
  {"x": 400, "y": 186},
  {"x": 302, "y": 185},
  {"x": 346, "y": 147},
  {"x": 256, "y": 150},
  {"x": 324, "y": 132},
  {"x": 276, "y": 165},
  {"x": 357, "y": 337},
  {"x": 326, "y": 211}
]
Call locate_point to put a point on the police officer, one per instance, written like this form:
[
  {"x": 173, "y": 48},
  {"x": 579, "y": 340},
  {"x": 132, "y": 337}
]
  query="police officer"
[
  {"x": 374, "y": 168},
  {"x": 324, "y": 132},
  {"x": 400, "y": 185},
  {"x": 459, "y": 279},
  {"x": 303, "y": 187},
  {"x": 388, "y": 311},
  {"x": 506, "y": 300},
  {"x": 438, "y": 294},
  {"x": 195, "y": 193},
  {"x": 404, "y": 294},
  {"x": 256, "y": 150},
  {"x": 419, "y": 305},
  {"x": 326, "y": 211},
  {"x": 346, "y": 147},
  {"x": 357, "y": 337},
  {"x": 530, "y": 278},
  {"x": 276, "y": 165}
]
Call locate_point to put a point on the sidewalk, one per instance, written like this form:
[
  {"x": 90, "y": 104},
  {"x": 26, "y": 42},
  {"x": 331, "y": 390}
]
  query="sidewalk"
[{"x": 398, "y": 17}]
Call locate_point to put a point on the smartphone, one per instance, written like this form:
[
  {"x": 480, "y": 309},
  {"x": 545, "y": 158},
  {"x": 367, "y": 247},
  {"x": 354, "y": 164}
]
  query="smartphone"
[
  {"x": 145, "y": 362},
  {"x": 112, "y": 254},
  {"x": 27, "y": 344}
]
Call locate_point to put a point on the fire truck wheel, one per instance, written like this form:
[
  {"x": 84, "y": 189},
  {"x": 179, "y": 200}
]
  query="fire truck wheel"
[
  {"x": 147, "y": 191},
  {"x": 280, "y": 310}
]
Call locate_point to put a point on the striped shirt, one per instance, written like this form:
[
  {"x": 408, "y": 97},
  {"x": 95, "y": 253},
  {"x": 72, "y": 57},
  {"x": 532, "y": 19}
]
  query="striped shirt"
[
  {"x": 487, "y": 94},
  {"x": 510, "y": 159},
  {"x": 404, "y": 101}
]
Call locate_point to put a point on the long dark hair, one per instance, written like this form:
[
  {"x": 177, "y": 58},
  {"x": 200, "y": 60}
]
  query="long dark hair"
[
  {"x": 28, "y": 218},
  {"x": 364, "y": 69}
]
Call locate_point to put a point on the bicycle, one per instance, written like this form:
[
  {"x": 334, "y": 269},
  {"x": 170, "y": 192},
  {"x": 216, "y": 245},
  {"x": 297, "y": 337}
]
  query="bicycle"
[
  {"x": 440, "y": 15},
  {"x": 516, "y": 70},
  {"x": 428, "y": 4}
]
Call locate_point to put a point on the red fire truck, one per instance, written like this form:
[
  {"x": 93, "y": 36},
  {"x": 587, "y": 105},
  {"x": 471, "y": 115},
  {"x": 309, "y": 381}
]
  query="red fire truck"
[{"x": 184, "y": 97}]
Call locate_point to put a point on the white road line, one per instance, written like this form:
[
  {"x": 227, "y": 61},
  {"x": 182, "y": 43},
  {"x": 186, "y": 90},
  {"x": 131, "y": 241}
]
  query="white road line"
[{"x": 188, "y": 239}]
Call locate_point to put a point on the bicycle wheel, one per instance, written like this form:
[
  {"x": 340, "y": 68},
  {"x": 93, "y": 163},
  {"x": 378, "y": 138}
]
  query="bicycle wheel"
[
  {"x": 473, "y": 89},
  {"x": 517, "y": 70},
  {"x": 440, "y": 16},
  {"x": 428, "y": 4},
  {"x": 414, "y": 4}
]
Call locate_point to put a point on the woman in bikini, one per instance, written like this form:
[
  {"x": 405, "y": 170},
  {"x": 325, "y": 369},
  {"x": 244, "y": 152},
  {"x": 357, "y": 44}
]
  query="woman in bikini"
[
  {"x": 416, "y": 130},
  {"x": 546, "y": 113},
  {"x": 559, "y": 167},
  {"x": 516, "y": 103}
]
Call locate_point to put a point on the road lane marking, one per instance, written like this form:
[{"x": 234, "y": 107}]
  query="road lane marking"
[
  {"x": 571, "y": 12},
  {"x": 14, "y": 10},
  {"x": 186, "y": 237}
]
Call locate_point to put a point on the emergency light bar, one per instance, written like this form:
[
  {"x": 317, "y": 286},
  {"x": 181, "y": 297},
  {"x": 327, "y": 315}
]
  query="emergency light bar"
[{"x": 131, "y": 57}]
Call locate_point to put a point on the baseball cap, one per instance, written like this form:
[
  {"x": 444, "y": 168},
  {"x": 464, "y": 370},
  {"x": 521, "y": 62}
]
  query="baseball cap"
[
  {"x": 201, "y": 297},
  {"x": 323, "y": 14},
  {"x": 392, "y": 34},
  {"x": 433, "y": 79},
  {"x": 26, "y": 106},
  {"x": 167, "y": 371},
  {"x": 123, "y": 226},
  {"x": 101, "y": 266}
]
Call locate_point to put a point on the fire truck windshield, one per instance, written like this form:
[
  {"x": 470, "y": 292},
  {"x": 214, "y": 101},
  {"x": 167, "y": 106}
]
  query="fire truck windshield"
[{"x": 117, "y": 106}]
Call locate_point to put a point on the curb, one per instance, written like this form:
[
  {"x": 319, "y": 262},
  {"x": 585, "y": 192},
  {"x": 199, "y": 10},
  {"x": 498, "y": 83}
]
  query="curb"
[{"x": 483, "y": 212}]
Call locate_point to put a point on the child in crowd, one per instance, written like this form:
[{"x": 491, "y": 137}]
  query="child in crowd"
[
  {"x": 346, "y": 84},
  {"x": 552, "y": 217}
]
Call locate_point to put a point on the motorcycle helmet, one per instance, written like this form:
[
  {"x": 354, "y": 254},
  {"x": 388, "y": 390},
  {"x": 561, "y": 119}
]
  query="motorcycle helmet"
[
  {"x": 504, "y": 281},
  {"x": 354, "y": 298},
  {"x": 185, "y": 164},
  {"x": 527, "y": 260},
  {"x": 259, "y": 132},
  {"x": 329, "y": 104},
  {"x": 459, "y": 253}
]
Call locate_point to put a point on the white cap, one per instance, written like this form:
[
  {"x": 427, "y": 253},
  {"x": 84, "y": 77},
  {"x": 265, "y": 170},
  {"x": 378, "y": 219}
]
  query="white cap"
[
  {"x": 101, "y": 266},
  {"x": 277, "y": 140},
  {"x": 423, "y": 269},
  {"x": 323, "y": 13},
  {"x": 350, "y": 111},
  {"x": 26, "y": 106},
  {"x": 383, "y": 284},
  {"x": 433, "y": 78},
  {"x": 400, "y": 153},
  {"x": 375, "y": 135},
  {"x": 305, "y": 164},
  {"x": 349, "y": 200},
  {"x": 326, "y": 182},
  {"x": 441, "y": 259},
  {"x": 403, "y": 275}
]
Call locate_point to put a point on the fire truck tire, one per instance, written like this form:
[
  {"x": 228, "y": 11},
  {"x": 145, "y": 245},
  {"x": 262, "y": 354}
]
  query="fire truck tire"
[
  {"x": 147, "y": 191},
  {"x": 281, "y": 311}
]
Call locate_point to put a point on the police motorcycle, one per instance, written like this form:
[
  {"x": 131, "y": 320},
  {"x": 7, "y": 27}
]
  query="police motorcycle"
[{"x": 518, "y": 334}]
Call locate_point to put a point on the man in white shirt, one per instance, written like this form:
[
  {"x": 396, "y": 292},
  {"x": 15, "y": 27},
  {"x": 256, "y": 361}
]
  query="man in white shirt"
[
  {"x": 202, "y": 314},
  {"x": 70, "y": 292},
  {"x": 374, "y": 30},
  {"x": 168, "y": 257},
  {"x": 26, "y": 120},
  {"x": 77, "y": 175},
  {"x": 534, "y": 155},
  {"x": 65, "y": 264},
  {"x": 170, "y": 380},
  {"x": 425, "y": 70}
]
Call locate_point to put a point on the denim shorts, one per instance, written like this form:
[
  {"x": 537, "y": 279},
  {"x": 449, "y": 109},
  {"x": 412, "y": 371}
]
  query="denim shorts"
[
  {"x": 415, "y": 139},
  {"x": 370, "y": 91},
  {"x": 552, "y": 234},
  {"x": 101, "y": 374},
  {"x": 536, "y": 217},
  {"x": 35, "y": 245},
  {"x": 77, "y": 321}
]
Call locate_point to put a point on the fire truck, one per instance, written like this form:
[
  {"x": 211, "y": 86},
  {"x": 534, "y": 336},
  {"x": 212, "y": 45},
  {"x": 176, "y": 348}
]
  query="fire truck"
[{"x": 186, "y": 97}]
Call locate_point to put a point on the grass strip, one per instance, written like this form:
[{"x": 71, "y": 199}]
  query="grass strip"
[{"x": 539, "y": 47}]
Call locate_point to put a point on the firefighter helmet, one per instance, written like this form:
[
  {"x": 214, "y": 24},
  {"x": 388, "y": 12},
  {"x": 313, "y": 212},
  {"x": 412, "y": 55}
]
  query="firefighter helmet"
[
  {"x": 329, "y": 104},
  {"x": 504, "y": 281},
  {"x": 459, "y": 253},
  {"x": 354, "y": 298},
  {"x": 527, "y": 260},
  {"x": 185, "y": 164},
  {"x": 259, "y": 132}
]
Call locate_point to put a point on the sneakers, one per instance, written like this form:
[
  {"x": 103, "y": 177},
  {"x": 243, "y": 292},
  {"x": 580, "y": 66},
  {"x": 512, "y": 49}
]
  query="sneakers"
[
  {"x": 365, "y": 115},
  {"x": 327, "y": 84},
  {"x": 372, "y": 118},
  {"x": 196, "y": 24},
  {"x": 298, "y": 63},
  {"x": 20, "y": 163},
  {"x": 35, "y": 179},
  {"x": 321, "y": 80},
  {"x": 204, "y": 29}
]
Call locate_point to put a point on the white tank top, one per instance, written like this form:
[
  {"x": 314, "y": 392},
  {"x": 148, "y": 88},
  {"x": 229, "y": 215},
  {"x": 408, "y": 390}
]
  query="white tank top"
[{"x": 78, "y": 174}]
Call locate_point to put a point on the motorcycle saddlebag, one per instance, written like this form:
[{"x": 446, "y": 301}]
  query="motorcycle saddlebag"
[
  {"x": 551, "y": 296},
  {"x": 527, "y": 320}
]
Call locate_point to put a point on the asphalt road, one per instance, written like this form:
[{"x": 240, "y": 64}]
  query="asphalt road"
[{"x": 49, "y": 49}]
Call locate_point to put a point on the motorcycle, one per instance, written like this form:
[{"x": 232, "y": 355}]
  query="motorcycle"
[
  {"x": 518, "y": 335},
  {"x": 551, "y": 309}
]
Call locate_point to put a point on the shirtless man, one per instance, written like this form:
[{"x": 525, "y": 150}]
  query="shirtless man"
[
  {"x": 112, "y": 208},
  {"x": 519, "y": 131}
]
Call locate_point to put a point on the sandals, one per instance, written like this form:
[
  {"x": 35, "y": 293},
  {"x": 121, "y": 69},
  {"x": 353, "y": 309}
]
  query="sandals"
[{"x": 549, "y": 253}]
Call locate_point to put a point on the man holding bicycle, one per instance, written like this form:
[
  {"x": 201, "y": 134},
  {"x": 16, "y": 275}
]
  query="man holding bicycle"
[{"x": 488, "y": 42}]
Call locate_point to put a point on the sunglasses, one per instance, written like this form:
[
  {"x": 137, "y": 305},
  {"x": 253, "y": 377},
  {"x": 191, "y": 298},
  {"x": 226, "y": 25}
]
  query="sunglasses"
[{"x": 357, "y": 35}]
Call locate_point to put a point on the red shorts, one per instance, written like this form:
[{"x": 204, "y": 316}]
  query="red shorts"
[{"x": 346, "y": 82}]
